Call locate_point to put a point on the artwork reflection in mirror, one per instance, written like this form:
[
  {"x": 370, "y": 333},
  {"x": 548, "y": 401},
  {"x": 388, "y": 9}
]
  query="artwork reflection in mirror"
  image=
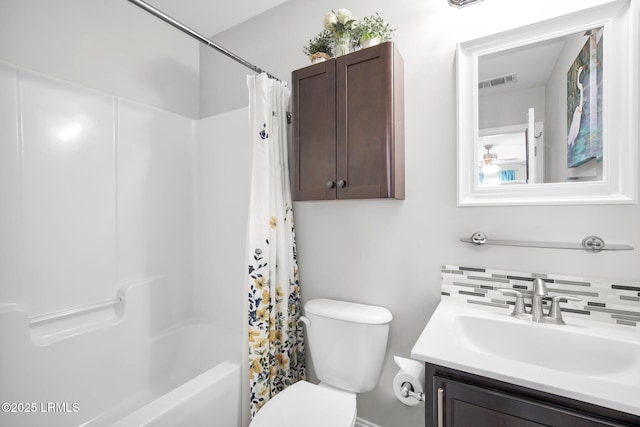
[{"x": 540, "y": 112}]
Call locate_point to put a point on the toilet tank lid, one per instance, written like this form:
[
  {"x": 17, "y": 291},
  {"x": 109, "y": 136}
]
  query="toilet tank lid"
[{"x": 348, "y": 311}]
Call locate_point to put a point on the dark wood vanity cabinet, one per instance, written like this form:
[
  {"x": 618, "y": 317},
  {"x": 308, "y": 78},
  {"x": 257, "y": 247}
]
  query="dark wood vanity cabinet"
[
  {"x": 348, "y": 127},
  {"x": 467, "y": 400}
]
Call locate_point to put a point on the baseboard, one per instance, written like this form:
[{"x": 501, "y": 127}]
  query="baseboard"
[{"x": 364, "y": 423}]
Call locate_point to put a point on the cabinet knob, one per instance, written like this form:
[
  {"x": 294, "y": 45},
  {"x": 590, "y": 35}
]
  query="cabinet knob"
[
  {"x": 329, "y": 184},
  {"x": 342, "y": 183}
]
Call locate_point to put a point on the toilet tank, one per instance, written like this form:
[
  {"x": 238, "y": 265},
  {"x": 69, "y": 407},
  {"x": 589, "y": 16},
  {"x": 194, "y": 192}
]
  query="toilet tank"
[{"x": 347, "y": 342}]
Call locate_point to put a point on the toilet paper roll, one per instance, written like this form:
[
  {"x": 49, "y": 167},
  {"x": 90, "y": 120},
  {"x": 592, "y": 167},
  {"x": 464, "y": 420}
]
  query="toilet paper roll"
[{"x": 411, "y": 372}]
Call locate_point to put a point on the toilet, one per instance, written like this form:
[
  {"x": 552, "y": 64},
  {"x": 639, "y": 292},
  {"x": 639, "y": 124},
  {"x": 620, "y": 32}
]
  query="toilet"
[{"x": 347, "y": 343}]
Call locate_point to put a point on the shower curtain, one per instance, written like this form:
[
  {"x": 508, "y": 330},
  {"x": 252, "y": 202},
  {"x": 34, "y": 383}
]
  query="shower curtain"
[{"x": 276, "y": 341}]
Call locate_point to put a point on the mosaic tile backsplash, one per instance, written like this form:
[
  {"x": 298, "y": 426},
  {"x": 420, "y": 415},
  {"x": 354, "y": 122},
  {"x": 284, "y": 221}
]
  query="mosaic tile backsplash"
[{"x": 603, "y": 300}]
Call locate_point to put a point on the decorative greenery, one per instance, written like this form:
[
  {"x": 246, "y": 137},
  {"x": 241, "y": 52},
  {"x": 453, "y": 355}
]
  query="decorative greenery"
[
  {"x": 321, "y": 43},
  {"x": 339, "y": 21},
  {"x": 340, "y": 25},
  {"x": 371, "y": 27}
]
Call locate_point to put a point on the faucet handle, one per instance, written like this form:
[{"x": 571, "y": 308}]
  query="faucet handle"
[
  {"x": 519, "y": 309},
  {"x": 555, "y": 315}
]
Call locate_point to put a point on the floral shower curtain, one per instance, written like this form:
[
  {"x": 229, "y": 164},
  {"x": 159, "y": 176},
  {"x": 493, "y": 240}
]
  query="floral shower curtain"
[{"x": 276, "y": 341}]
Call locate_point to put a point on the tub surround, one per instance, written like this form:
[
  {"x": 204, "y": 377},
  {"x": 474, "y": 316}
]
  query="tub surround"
[
  {"x": 123, "y": 366},
  {"x": 93, "y": 187}
]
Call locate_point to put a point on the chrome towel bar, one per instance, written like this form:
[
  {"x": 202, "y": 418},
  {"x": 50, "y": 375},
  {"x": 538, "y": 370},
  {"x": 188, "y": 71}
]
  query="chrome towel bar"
[
  {"x": 43, "y": 318},
  {"x": 589, "y": 243}
]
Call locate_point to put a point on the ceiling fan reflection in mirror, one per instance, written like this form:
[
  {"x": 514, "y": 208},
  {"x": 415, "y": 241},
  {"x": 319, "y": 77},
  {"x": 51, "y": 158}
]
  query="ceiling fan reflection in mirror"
[{"x": 490, "y": 161}]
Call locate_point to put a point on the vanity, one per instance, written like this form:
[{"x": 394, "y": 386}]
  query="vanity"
[
  {"x": 458, "y": 398},
  {"x": 518, "y": 377},
  {"x": 486, "y": 367}
]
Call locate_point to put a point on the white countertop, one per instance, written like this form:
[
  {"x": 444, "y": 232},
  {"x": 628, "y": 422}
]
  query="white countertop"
[{"x": 617, "y": 386}]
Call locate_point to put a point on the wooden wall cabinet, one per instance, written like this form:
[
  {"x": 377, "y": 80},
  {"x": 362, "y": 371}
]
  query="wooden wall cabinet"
[
  {"x": 460, "y": 399},
  {"x": 348, "y": 127}
]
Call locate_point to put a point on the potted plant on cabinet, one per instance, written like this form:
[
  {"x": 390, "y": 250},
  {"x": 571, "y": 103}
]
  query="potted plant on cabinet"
[
  {"x": 319, "y": 48},
  {"x": 340, "y": 24},
  {"x": 373, "y": 30}
]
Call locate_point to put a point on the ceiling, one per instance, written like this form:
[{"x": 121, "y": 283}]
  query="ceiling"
[
  {"x": 210, "y": 17},
  {"x": 532, "y": 64}
]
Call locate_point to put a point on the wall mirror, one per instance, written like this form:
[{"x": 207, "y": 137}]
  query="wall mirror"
[{"x": 548, "y": 113}]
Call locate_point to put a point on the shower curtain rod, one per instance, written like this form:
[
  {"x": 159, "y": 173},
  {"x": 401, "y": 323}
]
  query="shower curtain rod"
[{"x": 169, "y": 20}]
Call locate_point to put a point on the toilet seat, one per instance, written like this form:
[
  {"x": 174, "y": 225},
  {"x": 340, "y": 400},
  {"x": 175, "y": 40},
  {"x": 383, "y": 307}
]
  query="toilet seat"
[{"x": 309, "y": 405}]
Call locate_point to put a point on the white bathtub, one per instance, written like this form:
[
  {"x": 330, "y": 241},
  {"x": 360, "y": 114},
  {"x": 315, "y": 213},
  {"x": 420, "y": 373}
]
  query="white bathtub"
[
  {"x": 209, "y": 399},
  {"x": 191, "y": 383},
  {"x": 110, "y": 370}
]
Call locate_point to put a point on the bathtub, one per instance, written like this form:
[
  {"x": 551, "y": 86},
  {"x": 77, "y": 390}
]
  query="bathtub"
[{"x": 108, "y": 369}]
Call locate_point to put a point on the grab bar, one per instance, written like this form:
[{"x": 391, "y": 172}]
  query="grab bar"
[{"x": 36, "y": 320}]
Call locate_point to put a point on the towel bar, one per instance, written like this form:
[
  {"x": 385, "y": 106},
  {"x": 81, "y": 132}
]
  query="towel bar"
[{"x": 589, "y": 243}]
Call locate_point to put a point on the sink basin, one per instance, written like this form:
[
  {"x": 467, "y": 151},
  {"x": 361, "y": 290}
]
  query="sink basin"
[
  {"x": 566, "y": 348},
  {"x": 591, "y": 361}
]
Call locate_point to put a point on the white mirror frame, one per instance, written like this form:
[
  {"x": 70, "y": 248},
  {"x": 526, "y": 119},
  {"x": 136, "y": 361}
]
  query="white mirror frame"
[{"x": 621, "y": 95}]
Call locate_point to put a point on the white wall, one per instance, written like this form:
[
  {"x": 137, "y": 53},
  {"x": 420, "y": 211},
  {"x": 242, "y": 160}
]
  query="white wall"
[
  {"x": 510, "y": 108},
  {"x": 390, "y": 252},
  {"x": 95, "y": 192},
  {"x": 112, "y": 46}
]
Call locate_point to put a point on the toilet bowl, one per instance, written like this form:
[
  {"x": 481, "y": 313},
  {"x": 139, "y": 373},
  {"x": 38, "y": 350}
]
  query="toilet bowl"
[
  {"x": 308, "y": 405},
  {"x": 347, "y": 343}
]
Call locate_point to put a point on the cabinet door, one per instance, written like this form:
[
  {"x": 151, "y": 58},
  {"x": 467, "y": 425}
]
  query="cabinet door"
[
  {"x": 465, "y": 405},
  {"x": 314, "y": 139},
  {"x": 367, "y": 88}
]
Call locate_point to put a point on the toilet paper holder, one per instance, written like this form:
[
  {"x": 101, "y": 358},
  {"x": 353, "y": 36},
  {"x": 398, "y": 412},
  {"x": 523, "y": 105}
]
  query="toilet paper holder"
[
  {"x": 408, "y": 384},
  {"x": 408, "y": 391}
]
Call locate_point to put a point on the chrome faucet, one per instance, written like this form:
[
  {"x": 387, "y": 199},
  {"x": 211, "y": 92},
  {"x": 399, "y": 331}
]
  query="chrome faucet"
[
  {"x": 539, "y": 291},
  {"x": 537, "y": 312}
]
